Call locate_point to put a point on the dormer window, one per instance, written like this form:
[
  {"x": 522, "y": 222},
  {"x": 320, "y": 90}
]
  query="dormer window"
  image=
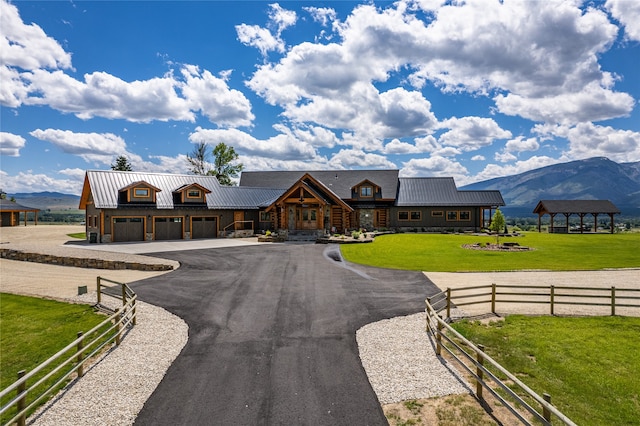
[
  {"x": 141, "y": 192},
  {"x": 138, "y": 193},
  {"x": 366, "y": 191},
  {"x": 190, "y": 194},
  {"x": 194, "y": 193}
]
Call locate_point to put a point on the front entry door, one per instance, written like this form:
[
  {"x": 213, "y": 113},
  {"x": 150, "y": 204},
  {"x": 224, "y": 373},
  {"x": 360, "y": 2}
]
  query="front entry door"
[{"x": 309, "y": 218}]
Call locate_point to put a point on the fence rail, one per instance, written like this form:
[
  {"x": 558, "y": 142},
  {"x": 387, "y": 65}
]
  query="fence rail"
[
  {"x": 474, "y": 361},
  {"x": 72, "y": 359},
  {"x": 610, "y": 297}
]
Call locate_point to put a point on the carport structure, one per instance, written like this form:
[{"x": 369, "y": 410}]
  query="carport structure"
[
  {"x": 571, "y": 207},
  {"x": 10, "y": 213}
]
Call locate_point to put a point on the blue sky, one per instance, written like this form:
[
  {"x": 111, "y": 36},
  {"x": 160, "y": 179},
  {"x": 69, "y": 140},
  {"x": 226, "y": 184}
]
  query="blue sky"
[{"x": 472, "y": 89}]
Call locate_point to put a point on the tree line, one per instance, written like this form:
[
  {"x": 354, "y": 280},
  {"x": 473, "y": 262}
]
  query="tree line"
[{"x": 221, "y": 162}]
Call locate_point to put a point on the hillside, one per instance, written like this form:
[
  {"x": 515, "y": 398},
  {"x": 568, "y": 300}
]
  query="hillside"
[
  {"x": 594, "y": 178},
  {"x": 54, "y": 201}
]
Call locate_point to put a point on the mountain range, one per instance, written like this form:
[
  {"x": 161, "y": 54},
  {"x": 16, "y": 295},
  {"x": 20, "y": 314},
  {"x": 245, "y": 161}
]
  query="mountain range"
[{"x": 592, "y": 179}]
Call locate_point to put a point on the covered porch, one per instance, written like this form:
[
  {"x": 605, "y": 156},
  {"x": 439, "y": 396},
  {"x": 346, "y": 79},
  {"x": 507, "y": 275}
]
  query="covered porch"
[{"x": 308, "y": 206}]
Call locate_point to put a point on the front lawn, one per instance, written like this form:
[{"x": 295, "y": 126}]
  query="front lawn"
[
  {"x": 444, "y": 252},
  {"x": 32, "y": 330},
  {"x": 589, "y": 366}
]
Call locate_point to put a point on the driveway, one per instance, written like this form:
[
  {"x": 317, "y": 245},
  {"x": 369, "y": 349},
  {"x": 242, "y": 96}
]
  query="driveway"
[{"x": 272, "y": 335}]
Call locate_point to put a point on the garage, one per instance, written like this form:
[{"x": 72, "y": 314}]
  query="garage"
[
  {"x": 167, "y": 228},
  {"x": 204, "y": 227},
  {"x": 128, "y": 229}
]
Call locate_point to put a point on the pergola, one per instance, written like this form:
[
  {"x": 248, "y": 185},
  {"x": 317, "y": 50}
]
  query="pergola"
[
  {"x": 579, "y": 207},
  {"x": 10, "y": 213}
]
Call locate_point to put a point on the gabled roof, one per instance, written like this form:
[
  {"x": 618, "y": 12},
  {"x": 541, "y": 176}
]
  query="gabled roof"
[
  {"x": 441, "y": 191},
  {"x": 192, "y": 185},
  {"x": 316, "y": 188},
  {"x": 238, "y": 197},
  {"x": 576, "y": 206},
  {"x": 140, "y": 183},
  {"x": 339, "y": 182}
]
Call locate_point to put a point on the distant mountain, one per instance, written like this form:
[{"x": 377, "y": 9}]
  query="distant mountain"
[
  {"x": 592, "y": 179},
  {"x": 47, "y": 200}
]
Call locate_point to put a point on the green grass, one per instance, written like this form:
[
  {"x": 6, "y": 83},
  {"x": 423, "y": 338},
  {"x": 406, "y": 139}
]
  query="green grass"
[
  {"x": 32, "y": 330},
  {"x": 444, "y": 252},
  {"x": 78, "y": 235},
  {"x": 589, "y": 366}
]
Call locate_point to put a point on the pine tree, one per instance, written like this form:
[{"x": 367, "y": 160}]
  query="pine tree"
[{"x": 122, "y": 164}]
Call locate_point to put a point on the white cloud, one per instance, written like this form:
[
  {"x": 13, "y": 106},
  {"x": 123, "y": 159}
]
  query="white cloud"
[
  {"x": 434, "y": 166},
  {"x": 520, "y": 144},
  {"x": 478, "y": 158},
  {"x": 10, "y": 144},
  {"x": 593, "y": 103},
  {"x": 588, "y": 140},
  {"x": 358, "y": 159},
  {"x": 323, "y": 15},
  {"x": 27, "y": 46},
  {"x": 628, "y": 13},
  {"x": 215, "y": 99},
  {"x": 73, "y": 173},
  {"x": 493, "y": 170},
  {"x": 29, "y": 182},
  {"x": 263, "y": 38},
  {"x": 284, "y": 146},
  {"x": 471, "y": 133},
  {"x": 92, "y": 147}
]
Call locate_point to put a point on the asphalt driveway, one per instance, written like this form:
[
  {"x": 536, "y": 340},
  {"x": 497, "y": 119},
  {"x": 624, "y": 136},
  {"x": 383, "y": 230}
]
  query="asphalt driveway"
[{"x": 272, "y": 335}]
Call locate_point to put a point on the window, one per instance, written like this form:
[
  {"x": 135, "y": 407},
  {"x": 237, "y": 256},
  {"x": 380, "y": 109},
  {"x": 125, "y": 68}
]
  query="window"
[
  {"x": 416, "y": 215},
  {"x": 465, "y": 215},
  {"x": 437, "y": 213},
  {"x": 141, "y": 192},
  {"x": 193, "y": 193},
  {"x": 366, "y": 191},
  {"x": 265, "y": 216},
  {"x": 404, "y": 215},
  {"x": 452, "y": 215}
]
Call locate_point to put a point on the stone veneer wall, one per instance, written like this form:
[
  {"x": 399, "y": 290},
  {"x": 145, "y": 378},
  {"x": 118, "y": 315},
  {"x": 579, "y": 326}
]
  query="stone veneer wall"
[{"x": 80, "y": 262}]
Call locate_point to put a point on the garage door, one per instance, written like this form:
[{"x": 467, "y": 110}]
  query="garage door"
[
  {"x": 127, "y": 229},
  {"x": 204, "y": 227},
  {"x": 167, "y": 228}
]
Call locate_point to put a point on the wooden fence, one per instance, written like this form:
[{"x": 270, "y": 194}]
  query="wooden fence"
[
  {"x": 70, "y": 361},
  {"x": 485, "y": 369}
]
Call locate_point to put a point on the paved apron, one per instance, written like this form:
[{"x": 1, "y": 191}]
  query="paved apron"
[{"x": 272, "y": 335}]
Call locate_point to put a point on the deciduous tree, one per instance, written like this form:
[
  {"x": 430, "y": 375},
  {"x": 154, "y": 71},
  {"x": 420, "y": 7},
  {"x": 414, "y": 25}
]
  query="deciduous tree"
[
  {"x": 497, "y": 224},
  {"x": 223, "y": 167}
]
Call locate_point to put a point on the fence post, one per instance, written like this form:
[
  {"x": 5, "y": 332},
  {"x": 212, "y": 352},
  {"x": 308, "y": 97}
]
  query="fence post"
[
  {"x": 22, "y": 401},
  {"x": 448, "y": 302},
  {"x": 553, "y": 298},
  {"x": 118, "y": 328},
  {"x": 493, "y": 298},
  {"x": 124, "y": 295},
  {"x": 79, "y": 357},
  {"x": 98, "y": 288},
  {"x": 480, "y": 359},
  {"x": 613, "y": 300},
  {"x": 546, "y": 413},
  {"x": 438, "y": 338}
]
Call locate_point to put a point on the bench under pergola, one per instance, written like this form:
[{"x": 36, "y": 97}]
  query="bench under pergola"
[{"x": 578, "y": 207}]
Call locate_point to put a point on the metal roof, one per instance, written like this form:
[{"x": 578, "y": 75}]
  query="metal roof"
[
  {"x": 576, "y": 206},
  {"x": 106, "y": 184},
  {"x": 12, "y": 206},
  {"x": 439, "y": 191},
  {"x": 339, "y": 182}
]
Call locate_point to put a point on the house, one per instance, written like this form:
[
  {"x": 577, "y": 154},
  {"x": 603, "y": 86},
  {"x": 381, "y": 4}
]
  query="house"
[{"x": 133, "y": 206}]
